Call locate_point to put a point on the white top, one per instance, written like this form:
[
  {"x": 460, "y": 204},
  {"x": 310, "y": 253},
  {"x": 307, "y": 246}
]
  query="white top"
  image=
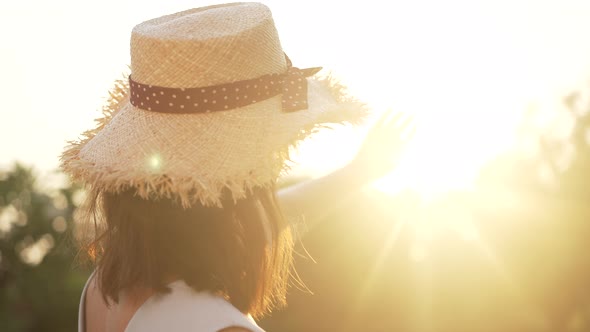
[{"x": 181, "y": 310}]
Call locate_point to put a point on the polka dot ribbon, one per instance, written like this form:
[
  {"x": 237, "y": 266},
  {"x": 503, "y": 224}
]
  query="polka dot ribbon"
[{"x": 292, "y": 85}]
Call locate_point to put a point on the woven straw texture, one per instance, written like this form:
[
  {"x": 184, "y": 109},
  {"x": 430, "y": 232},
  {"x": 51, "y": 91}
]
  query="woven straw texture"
[{"x": 194, "y": 157}]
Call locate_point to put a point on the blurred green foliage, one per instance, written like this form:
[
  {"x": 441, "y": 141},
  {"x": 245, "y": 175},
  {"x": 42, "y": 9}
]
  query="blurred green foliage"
[
  {"x": 39, "y": 289},
  {"x": 510, "y": 255}
]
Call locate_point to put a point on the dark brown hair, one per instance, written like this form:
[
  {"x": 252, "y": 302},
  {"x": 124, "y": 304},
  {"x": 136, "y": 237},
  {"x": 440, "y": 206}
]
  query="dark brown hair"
[{"x": 242, "y": 251}]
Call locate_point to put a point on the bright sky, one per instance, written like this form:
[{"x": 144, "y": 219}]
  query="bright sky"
[{"x": 467, "y": 69}]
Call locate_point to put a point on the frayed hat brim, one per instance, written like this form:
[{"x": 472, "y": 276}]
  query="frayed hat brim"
[{"x": 194, "y": 157}]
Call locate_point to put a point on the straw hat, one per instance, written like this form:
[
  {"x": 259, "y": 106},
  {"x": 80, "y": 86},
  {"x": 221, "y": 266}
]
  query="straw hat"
[{"x": 212, "y": 103}]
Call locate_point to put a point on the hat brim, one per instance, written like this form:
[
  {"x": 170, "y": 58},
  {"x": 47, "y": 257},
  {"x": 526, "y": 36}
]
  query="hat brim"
[{"x": 193, "y": 157}]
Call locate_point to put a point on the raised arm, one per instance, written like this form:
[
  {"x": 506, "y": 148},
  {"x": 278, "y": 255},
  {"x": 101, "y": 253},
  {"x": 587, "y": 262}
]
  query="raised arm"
[{"x": 379, "y": 154}]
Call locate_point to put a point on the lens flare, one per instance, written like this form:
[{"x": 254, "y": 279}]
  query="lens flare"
[{"x": 155, "y": 162}]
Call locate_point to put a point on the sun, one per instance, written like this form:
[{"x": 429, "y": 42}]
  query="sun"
[{"x": 448, "y": 152}]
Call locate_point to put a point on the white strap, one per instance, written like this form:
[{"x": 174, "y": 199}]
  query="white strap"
[{"x": 82, "y": 306}]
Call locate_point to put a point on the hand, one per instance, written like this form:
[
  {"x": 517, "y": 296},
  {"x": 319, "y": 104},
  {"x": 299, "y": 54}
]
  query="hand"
[{"x": 383, "y": 146}]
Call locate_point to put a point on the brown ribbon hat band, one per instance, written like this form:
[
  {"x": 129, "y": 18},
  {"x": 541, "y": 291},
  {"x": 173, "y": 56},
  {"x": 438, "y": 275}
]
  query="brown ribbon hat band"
[{"x": 223, "y": 97}]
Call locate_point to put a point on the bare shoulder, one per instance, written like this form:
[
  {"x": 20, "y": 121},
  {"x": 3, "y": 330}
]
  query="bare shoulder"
[
  {"x": 96, "y": 308},
  {"x": 235, "y": 329}
]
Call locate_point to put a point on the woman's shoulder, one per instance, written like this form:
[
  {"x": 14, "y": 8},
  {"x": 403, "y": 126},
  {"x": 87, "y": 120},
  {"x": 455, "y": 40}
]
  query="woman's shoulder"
[{"x": 184, "y": 309}]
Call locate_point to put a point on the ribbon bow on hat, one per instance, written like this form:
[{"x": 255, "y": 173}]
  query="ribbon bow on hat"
[{"x": 292, "y": 85}]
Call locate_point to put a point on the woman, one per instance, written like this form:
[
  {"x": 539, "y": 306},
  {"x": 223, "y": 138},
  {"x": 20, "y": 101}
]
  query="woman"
[{"x": 187, "y": 231}]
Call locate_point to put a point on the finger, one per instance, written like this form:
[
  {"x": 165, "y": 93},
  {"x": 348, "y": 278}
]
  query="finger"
[
  {"x": 382, "y": 117},
  {"x": 400, "y": 123},
  {"x": 387, "y": 117},
  {"x": 403, "y": 131}
]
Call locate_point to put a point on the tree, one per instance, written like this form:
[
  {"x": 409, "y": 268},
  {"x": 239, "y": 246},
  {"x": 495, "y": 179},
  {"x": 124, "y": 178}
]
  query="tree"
[{"x": 39, "y": 289}]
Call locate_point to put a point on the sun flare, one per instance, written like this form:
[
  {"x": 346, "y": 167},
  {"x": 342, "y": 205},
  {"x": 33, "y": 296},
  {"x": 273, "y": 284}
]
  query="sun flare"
[{"x": 447, "y": 154}]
